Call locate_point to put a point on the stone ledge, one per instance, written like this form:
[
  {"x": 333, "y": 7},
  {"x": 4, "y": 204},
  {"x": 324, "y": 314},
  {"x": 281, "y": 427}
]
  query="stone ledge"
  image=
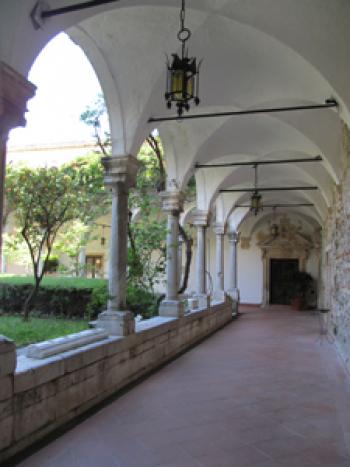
[{"x": 63, "y": 344}]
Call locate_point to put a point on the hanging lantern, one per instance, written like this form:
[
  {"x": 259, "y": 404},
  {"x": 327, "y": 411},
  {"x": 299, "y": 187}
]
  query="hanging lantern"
[
  {"x": 256, "y": 204},
  {"x": 182, "y": 73}
]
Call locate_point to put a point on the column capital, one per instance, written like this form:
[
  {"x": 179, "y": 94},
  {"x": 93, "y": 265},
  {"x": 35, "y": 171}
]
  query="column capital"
[
  {"x": 15, "y": 91},
  {"x": 233, "y": 237},
  {"x": 201, "y": 218},
  {"x": 219, "y": 229},
  {"x": 120, "y": 170},
  {"x": 172, "y": 201}
]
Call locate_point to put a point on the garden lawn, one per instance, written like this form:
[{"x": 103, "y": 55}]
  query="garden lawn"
[
  {"x": 38, "y": 329},
  {"x": 53, "y": 281}
]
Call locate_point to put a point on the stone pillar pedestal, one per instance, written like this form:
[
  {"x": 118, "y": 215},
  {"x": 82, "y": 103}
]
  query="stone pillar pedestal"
[
  {"x": 201, "y": 221},
  {"x": 15, "y": 91},
  {"x": 219, "y": 293},
  {"x": 120, "y": 175},
  {"x": 233, "y": 291},
  {"x": 172, "y": 305}
]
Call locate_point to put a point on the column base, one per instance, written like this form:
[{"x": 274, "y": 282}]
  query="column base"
[
  {"x": 203, "y": 300},
  {"x": 219, "y": 296},
  {"x": 234, "y": 296},
  {"x": 172, "y": 308},
  {"x": 116, "y": 323},
  {"x": 192, "y": 303}
]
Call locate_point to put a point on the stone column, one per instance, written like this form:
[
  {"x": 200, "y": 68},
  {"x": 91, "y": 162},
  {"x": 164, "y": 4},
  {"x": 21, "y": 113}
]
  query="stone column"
[
  {"x": 179, "y": 261},
  {"x": 201, "y": 221},
  {"x": 120, "y": 175},
  {"x": 219, "y": 293},
  {"x": 172, "y": 206},
  {"x": 233, "y": 291},
  {"x": 15, "y": 91}
]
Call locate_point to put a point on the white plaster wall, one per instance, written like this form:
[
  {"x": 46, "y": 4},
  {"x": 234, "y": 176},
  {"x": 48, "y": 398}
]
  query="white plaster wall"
[
  {"x": 250, "y": 269},
  {"x": 250, "y": 274},
  {"x": 312, "y": 264}
]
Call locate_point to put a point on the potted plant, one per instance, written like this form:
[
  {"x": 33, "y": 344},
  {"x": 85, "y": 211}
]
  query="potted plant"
[{"x": 302, "y": 287}]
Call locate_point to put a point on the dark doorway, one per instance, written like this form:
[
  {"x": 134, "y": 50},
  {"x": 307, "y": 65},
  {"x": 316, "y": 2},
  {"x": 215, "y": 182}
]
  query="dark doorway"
[{"x": 281, "y": 272}]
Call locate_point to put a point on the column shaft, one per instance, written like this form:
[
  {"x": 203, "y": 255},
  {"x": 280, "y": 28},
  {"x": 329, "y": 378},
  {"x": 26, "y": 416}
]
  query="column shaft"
[
  {"x": 233, "y": 291},
  {"x": 219, "y": 263},
  {"x": 120, "y": 175},
  {"x": 201, "y": 260},
  {"x": 172, "y": 256},
  {"x": 172, "y": 205},
  {"x": 179, "y": 262}
]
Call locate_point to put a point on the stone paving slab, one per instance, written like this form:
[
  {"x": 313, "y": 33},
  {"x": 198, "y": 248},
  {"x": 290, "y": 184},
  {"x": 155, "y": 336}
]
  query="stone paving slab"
[{"x": 265, "y": 391}]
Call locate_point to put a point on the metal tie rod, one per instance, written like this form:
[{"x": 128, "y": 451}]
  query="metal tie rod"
[
  {"x": 280, "y": 188},
  {"x": 301, "y": 205},
  {"x": 329, "y": 103},
  {"x": 41, "y": 10},
  {"x": 254, "y": 163}
]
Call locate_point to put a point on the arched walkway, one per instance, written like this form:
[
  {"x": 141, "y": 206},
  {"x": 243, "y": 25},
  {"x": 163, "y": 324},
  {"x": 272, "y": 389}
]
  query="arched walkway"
[{"x": 265, "y": 391}]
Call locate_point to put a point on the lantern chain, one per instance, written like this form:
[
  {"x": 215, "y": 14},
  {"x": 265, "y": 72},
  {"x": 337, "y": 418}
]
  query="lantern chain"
[
  {"x": 184, "y": 34},
  {"x": 256, "y": 176}
]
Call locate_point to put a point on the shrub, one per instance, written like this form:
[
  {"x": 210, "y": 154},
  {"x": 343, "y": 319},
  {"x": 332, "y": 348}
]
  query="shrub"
[{"x": 70, "y": 297}]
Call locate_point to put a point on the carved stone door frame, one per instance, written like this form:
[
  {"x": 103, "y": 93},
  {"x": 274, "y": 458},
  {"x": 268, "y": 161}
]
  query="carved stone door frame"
[{"x": 279, "y": 253}]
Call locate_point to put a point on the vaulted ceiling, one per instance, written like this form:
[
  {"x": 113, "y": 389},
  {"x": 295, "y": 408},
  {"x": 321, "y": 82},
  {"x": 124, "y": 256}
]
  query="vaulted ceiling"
[{"x": 255, "y": 53}]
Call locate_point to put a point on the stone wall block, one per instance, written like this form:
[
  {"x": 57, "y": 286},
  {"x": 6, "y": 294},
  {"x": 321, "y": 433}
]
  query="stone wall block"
[
  {"x": 6, "y": 387},
  {"x": 6, "y": 433},
  {"x": 33, "y": 418},
  {"x": 8, "y": 358},
  {"x": 48, "y": 370}
]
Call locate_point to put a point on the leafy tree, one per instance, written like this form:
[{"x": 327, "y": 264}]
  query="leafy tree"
[
  {"x": 46, "y": 199},
  {"x": 71, "y": 239},
  {"x": 92, "y": 117}
]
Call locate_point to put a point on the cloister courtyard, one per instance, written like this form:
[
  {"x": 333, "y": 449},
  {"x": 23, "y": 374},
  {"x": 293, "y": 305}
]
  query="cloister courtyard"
[{"x": 222, "y": 186}]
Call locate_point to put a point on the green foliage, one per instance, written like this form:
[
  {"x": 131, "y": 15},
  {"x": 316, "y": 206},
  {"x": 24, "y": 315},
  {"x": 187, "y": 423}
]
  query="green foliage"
[
  {"x": 70, "y": 240},
  {"x": 56, "y": 281},
  {"x": 70, "y": 297},
  {"x": 38, "y": 329},
  {"x": 46, "y": 199},
  {"x": 92, "y": 116},
  {"x": 52, "y": 264},
  {"x": 302, "y": 283}
]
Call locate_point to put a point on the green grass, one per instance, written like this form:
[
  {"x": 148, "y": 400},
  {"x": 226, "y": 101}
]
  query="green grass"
[
  {"x": 53, "y": 281},
  {"x": 38, "y": 329}
]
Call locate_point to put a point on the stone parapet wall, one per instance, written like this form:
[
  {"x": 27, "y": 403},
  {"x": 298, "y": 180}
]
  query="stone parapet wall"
[{"x": 42, "y": 395}]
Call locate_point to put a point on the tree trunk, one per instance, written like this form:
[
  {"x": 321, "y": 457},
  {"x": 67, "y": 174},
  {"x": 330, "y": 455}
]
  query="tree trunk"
[
  {"x": 30, "y": 301},
  {"x": 188, "y": 242}
]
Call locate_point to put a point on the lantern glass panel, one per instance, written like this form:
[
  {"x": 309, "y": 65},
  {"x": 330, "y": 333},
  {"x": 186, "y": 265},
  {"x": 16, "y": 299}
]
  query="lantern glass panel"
[
  {"x": 190, "y": 86},
  {"x": 177, "y": 84}
]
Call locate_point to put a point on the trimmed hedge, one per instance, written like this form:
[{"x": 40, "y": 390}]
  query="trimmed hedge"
[{"x": 70, "y": 297}]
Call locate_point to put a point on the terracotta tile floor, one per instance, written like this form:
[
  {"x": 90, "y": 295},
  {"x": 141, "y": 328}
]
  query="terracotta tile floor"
[{"x": 264, "y": 391}]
